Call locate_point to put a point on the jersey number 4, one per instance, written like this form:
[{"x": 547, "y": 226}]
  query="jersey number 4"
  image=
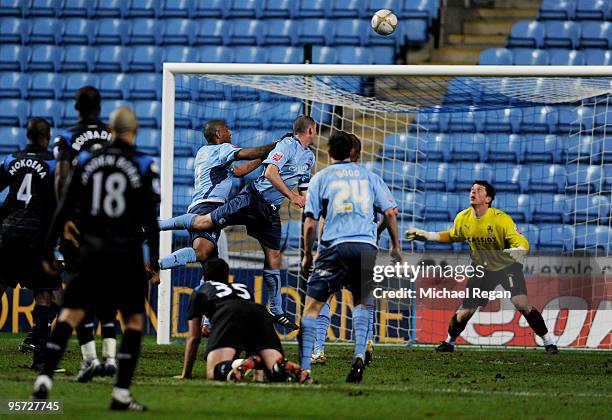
[
  {"x": 226, "y": 289},
  {"x": 110, "y": 196},
  {"x": 25, "y": 189}
]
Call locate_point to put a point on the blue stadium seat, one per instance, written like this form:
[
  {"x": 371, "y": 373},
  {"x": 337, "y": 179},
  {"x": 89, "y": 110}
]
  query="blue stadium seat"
[
  {"x": 513, "y": 178},
  {"x": 14, "y": 85},
  {"x": 409, "y": 203},
  {"x": 146, "y": 58},
  {"x": 13, "y": 31},
  {"x": 505, "y": 120},
  {"x": 549, "y": 207},
  {"x": 583, "y": 178},
  {"x": 144, "y": 31},
  {"x": 544, "y": 148},
  {"x": 146, "y": 86},
  {"x": 13, "y": 57},
  {"x": 178, "y": 32},
  {"x": 562, "y": 34},
  {"x": 433, "y": 121},
  {"x": 306, "y": 9},
  {"x": 13, "y": 138},
  {"x": 315, "y": 31},
  {"x": 382, "y": 54},
  {"x": 217, "y": 110},
  {"x": 532, "y": 233},
  {"x": 245, "y": 32},
  {"x": 467, "y": 121},
  {"x": 46, "y": 86},
  {"x": 438, "y": 177},
  {"x": 77, "y": 58},
  {"x": 149, "y": 141},
  {"x": 181, "y": 198},
  {"x": 109, "y": 8},
  {"x": 210, "y": 32},
  {"x": 215, "y": 54},
  {"x": 324, "y": 55},
  {"x": 251, "y": 138},
  {"x": 247, "y": 54},
  {"x": 401, "y": 174},
  {"x": 282, "y": 114},
  {"x": 517, "y": 206},
  {"x": 353, "y": 55},
  {"x": 414, "y": 30},
  {"x": 437, "y": 147},
  {"x": 75, "y": 81},
  {"x": 596, "y": 35},
  {"x": 277, "y": 8},
  {"x": 280, "y": 32},
  {"x": 592, "y": 237},
  {"x": 573, "y": 119},
  {"x": 186, "y": 142},
  {"x": 43, "y": 31},
  {"x": 372, "y": 6},
  {"x": 442, "y": 206},
  {"x": 178, "y": 54},
  {"x": 144, "y": 8},
  {"x": 77, "y": 31},
  {"x": 345, "y": 8},
  {"x": 14, "y": 112},
  {"x": 115, "y": 85},
  {"x": 539, "y": 119},
  {"x": 598, "y": 57},
  {"x": 285, "y": 55},
  {"x": 183, "y": 170},
  {"x": 15, "y": 8},
  {"x": 468, "y": 172},
  {"x": 47, "y": 8},
  {"x": 582, "y": 208},
  {"x": 468, "y": 147},
  {"x": 400, "y": 146},
  {"x": 556, "y": 237},
  {"x": 529, "y": 57},
  {"x": 44, "y": 58},
  {"x": 567, "y": 58},
  {"x": 603, "y": 119},
  {"x": 463, "y": 91},
  {"x": 350, "y": 32},
  {"x": 374, "y": 39},
  {"x": 438, "y": 227},
  {"x": 111, "y": 31},
  {"x": 248, "y": 114},
  {"x": 174, "y": 9},
  {"x": 547, "y": 178},
  {"x": 75, "y": 8},
  {"x": 527, "y": 34},
  {"x": 505, "y": 148},
  {"x": 495, "y": 57},
  {"x": 416, "y": 9},
  {"x": 557, "y": 10},
  {"x": 112, "y": 58},
  {"x": 48, "y": 109},
  {"x": 593, "y": 9},
  {"x": 243, "y": 9},
  {"x": 149, "y": 113}
]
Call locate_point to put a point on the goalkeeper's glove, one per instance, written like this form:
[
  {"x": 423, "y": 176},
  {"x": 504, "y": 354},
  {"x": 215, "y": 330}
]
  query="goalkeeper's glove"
[
  {"x": 517, "y": 254},
  {"x": 416, "y": 234}
]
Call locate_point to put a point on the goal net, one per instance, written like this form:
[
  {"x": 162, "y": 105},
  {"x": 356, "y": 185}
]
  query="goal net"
[{"x": 539, "y": 135}]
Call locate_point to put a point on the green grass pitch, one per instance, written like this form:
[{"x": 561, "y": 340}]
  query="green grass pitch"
[{"x": 401, "y": 383}]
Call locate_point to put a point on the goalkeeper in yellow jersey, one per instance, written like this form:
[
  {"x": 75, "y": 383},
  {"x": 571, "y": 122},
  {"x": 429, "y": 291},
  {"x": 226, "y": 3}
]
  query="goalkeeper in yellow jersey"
[{"x": 497, "y": 246}]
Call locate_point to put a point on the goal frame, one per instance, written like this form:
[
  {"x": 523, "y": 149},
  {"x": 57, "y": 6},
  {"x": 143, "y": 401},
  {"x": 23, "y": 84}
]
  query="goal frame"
[{"x": 170, "y": 70}]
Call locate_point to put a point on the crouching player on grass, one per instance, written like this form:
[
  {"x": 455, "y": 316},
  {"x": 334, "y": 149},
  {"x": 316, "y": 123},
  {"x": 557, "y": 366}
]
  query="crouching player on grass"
[
  {"x": 239, "y": 325},
  {"x": 497, "y": 246}
]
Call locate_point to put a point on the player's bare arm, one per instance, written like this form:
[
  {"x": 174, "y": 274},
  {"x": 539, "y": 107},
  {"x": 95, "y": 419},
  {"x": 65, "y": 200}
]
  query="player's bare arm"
[
  {"x": 246, "y": 168},
  {"x": 250, "y": 153},
  {"x": 391, "y": 218},
  {"x": 310, "y": 227},
  {"x": 275, "y": 179}
]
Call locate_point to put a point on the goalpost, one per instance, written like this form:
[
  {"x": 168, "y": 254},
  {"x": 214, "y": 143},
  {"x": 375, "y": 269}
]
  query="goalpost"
[{"x": 539, "y": 134}]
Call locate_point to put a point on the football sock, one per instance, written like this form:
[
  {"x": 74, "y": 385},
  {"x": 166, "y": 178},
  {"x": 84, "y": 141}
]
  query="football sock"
[
  {"x": 323, "y": 321},
  {"x": 455, "y": 328},
  {"x": 276, "y": 374},
  {"x": 122, "y": 395},
  {"x": 85, "y": 330},
  {"x": 178, "y": 258},
  {"x": 56, "y": 347},
  {"x": 272, "y": 280},
  {"x": 128, "y": 357},
  {"x": 184, "y": 221},
  {"x": 109, "y": 343},
  {"x": 536, "y": 322},
  {"x": 222, "y": 369},
  {"x": 372, "y": 313},
  {"x": 308, "y": 332},
  {"x": 43, "y": 316},
  {"x": 361, "y": 320}
]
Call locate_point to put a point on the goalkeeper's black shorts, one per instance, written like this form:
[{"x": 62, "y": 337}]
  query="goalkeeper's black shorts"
[{"x": 510, "y": 278}]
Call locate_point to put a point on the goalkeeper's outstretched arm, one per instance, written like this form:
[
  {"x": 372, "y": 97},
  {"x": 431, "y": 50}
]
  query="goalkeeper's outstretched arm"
[{"x": 416, "y": 234}]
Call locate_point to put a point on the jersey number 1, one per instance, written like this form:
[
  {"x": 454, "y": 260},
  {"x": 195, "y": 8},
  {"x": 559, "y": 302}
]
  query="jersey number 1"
[{"x": 113, "y": 203}]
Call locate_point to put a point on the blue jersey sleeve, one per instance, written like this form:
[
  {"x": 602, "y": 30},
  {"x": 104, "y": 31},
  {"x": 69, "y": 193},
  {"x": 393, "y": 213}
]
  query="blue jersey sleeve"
[
  {"x": 313, "y": 199},
  {"x": 383, "y": 199},
  {"x": 304, "y": 181},
  {"x": 227, "y": 152},
  {"x": 280, "y": 154}
]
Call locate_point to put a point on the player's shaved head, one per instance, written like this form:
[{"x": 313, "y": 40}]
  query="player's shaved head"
[
  {"x": 302, "y": 123},
  {"x": 340, "y": 145},
  {"x": 123, "y": 123},
  {"x": 211, "y": 128},
  {"x": 38, "y": 131},
  {"x": 356, "y": 149},
  {"x": 87, "y": 101},
  {"x": 216, "y": 269}
]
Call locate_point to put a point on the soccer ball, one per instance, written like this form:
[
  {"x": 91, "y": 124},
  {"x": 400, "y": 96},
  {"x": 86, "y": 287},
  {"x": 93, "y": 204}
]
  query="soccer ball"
[{"x": 384, "y": 22}]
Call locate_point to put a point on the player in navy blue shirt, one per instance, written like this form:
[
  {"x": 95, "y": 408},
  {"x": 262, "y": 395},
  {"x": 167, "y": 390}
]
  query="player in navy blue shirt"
[
  {"x": 257, "y": 206},
  {"x": 25, "y": 218},
  {"x": 347, "y": 196},
  {"x": 115, "y": 192}
]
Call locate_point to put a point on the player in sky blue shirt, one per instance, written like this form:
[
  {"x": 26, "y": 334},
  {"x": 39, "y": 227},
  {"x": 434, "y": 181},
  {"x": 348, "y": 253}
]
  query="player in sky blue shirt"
[
  {"x": 347, "y": 195},
  {"x": 257, "y": 206}
]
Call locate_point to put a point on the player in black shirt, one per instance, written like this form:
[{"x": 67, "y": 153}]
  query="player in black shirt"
[
  {"x": 26, "y": 215},
  {"x": 89, "y": 134},
  {"x": 115, "y": 192},
  {"x": 239, "y": 325}
]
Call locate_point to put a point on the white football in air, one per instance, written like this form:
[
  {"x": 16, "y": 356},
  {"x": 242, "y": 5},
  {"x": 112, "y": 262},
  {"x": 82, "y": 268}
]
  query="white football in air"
[{"x": 384, "y": 22}]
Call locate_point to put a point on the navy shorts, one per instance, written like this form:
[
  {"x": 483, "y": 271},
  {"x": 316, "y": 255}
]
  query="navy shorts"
[
  {"x": 249, "y": 208},
  {"x": 348, "y": 265},
  {"x": 510, "y": 278},
  {"x": 212, "y": 235}
]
